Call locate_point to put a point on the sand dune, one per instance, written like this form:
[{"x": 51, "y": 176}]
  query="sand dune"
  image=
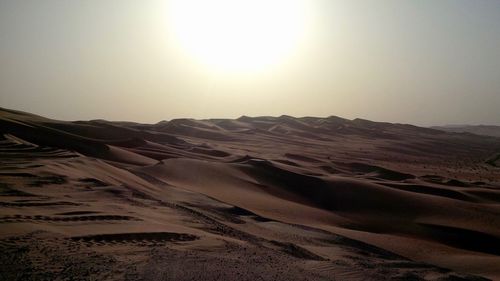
[
  {"x": 486, "y": 130},
  {"x": 276, "y": 198}
]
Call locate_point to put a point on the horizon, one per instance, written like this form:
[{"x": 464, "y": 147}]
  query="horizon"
[
  {"x": 425, "y": 63},
  {"x": 257, "y": 116}
]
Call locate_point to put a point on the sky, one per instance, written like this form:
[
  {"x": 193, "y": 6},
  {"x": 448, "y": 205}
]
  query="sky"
[{"x": 421, "y": 62}]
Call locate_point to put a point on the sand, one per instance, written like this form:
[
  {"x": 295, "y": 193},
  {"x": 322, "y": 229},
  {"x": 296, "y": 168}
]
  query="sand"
[
  {"x": 256, "y": 198},
  {"x": 486, "y": 130}
]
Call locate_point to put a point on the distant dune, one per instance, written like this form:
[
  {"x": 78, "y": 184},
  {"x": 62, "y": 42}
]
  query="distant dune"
[
  {"x": 485, "y": 130},
  {"x": 275, "y": 198}
]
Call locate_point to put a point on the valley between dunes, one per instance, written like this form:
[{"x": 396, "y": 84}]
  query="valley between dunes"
[{"x": 254, "y": 198}]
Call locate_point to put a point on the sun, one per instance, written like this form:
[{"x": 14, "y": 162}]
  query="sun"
[{"x": 238, "y": 35}]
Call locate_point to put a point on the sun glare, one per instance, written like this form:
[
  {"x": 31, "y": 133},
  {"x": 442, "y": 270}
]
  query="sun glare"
[{"x": 238, "y": 35}]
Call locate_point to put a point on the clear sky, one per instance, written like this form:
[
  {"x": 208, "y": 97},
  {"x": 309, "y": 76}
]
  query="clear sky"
[{"x": 423, "y": 62}]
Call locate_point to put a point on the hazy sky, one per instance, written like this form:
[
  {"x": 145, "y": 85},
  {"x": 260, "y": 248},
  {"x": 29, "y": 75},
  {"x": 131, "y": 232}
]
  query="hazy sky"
[{"x": 424, "y": 62}]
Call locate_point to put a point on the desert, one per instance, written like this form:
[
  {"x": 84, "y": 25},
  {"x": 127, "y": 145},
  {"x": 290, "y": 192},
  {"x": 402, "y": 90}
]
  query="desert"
[{"x": 252, "y": 198}]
